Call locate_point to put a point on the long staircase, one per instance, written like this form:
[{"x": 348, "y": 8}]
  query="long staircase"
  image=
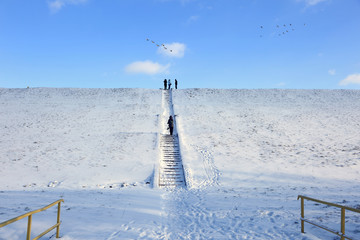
[{"x": 171, "y": 170}]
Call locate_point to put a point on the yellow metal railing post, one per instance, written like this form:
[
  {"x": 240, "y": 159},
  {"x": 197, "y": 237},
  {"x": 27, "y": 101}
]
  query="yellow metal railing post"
[
  {"x": 58, "y": 221},
  {"x": 342, "y": 223},
  {"x": 302, "y": 215},
  {"x": 28, "y": 234}
]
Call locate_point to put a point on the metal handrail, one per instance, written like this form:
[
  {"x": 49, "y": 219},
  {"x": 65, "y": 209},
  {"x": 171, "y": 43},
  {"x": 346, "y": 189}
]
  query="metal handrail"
[
  {"x": 343, "y": 208},
  {"x": 29, "y": 215}
]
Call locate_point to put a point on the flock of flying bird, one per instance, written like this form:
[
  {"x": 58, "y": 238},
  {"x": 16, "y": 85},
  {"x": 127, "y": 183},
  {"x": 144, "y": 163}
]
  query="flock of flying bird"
[
  {"x": 160, "y": 45},
  {"x": 282, "y": 29}
]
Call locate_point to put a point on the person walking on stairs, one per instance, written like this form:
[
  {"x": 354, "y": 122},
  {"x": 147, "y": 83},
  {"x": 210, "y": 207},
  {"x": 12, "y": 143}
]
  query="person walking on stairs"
[
  {"x": 165, "y": 84},
  {"x": 171, "y": 125}
]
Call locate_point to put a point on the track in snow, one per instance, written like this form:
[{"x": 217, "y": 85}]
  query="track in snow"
[{"x": 171, "y": 171}]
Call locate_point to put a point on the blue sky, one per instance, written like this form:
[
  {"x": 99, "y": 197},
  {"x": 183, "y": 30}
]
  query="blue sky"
[{"x": 213, "y": 43}]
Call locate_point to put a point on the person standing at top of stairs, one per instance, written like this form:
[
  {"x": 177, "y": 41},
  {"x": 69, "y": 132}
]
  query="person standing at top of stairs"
[{"x": 165, "y": 84}]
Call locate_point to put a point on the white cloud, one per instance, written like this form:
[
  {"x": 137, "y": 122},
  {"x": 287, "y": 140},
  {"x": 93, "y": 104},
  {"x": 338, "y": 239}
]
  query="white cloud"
[
  {"x": 147, "y": 67},
  {"x": 173, "y": 50},
  {"x": 332, "y": 71},
  {"x": 192, "y": 19},
  {"x": 183, "y": 2},
  {"x": 57, "y": 5},
  {"x": 351, "y": 79},
  {"x": 312, "y": 2}
]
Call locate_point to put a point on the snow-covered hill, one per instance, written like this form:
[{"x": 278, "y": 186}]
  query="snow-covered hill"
[
  {"x": 247, "y": 154},
  {"x": 77, "y": 137}
]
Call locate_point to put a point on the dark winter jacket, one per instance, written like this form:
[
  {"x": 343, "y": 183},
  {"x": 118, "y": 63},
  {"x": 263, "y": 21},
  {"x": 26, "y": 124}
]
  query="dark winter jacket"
[{"x": 171, "y": 123}]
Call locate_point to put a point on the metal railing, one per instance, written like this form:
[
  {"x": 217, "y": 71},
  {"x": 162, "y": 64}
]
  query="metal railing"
[
  {"x": 29, "y": 215},
  {"x": 342, "y": 224}
]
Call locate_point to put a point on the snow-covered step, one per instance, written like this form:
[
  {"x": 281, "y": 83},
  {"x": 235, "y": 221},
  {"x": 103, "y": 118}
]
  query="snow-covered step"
[
  {"x": 171, "y": 172},
  {"x": 172, "y": 180},
  {"x": 172, "y": 184}
]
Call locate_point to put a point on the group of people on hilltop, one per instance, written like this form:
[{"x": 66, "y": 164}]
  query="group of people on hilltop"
[{"x": 167, "y": 84}]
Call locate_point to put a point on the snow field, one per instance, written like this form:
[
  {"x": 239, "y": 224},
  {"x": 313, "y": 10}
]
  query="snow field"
[
  {"x": 247, "y": 154},
  {"x": 273, "y": 143},
  {"x": 53, "y": 133},
  {"x": 308, "y": 133}
]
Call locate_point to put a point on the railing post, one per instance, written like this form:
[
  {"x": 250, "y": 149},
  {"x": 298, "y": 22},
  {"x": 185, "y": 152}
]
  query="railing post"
[
  {"x": 58, "y": 221},
  {"x": 302, "y": 215},
  {"x": 343, "y": 223},
  {"x": 28, "y": 234}
]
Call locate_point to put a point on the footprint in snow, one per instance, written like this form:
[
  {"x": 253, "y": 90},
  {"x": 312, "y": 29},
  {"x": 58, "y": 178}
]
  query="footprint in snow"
[{"x": 53, "y": 184}]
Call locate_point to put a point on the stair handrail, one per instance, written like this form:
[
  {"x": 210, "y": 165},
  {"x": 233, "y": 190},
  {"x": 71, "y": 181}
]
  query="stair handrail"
[
  {"x": 342, "y": 226},
  {"x": 29, "y": 215}
]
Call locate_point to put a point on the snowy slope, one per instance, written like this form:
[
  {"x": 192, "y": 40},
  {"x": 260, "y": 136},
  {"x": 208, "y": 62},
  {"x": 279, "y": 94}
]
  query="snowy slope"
[
  {"x": 266, "y": 134},
  {"x": 53, "y": 133},
  {"x": 247, "y": 154}
]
